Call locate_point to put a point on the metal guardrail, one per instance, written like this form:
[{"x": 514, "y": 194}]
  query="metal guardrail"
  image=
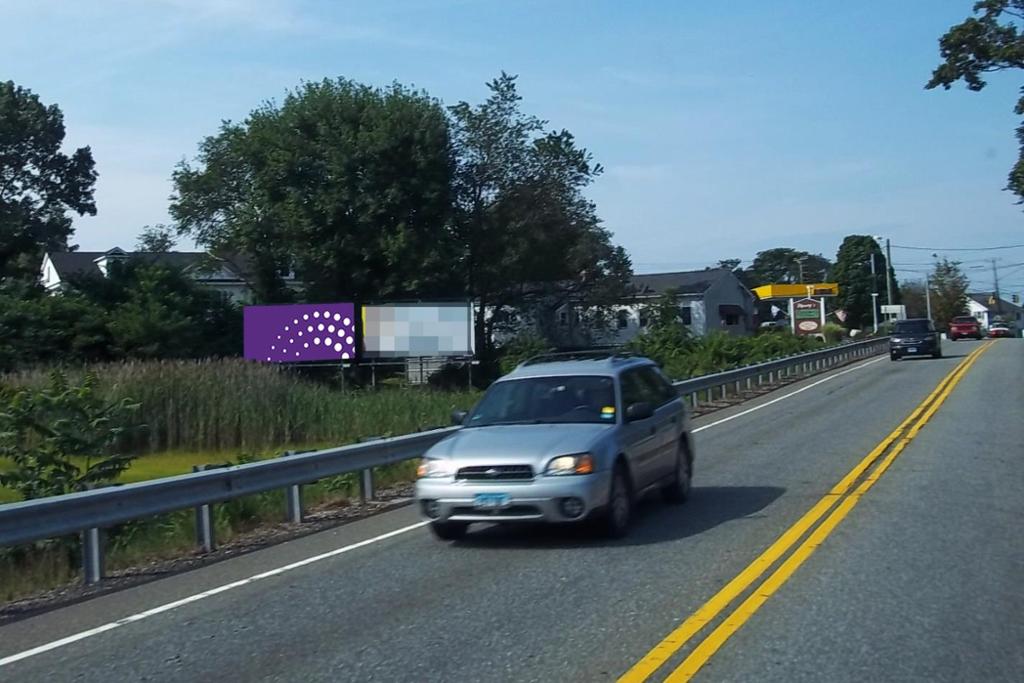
[
  {"x": 89, "y": 512},
  {"x": 770, "y": 371}
]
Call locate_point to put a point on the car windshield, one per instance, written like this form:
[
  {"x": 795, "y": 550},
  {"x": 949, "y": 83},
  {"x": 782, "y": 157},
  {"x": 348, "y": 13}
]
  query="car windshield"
[
  {"x": 577, "y": 399},
  {"x": 911, "y": 327}
]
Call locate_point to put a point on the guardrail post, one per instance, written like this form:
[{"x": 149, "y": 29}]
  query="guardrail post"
[
  {"x": 205, "y": 537},
  {"x": 366, "y": 485},
  {"x": 739, "y": 389},
  {"x": 92, "y": 556},
  {"x": 694, "y": 399},
  {"x": 293, "y": 503}
]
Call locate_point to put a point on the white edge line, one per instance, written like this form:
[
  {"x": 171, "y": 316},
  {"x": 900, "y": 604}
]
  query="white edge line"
[
  {"x": 11, "y": 659},
  {"x": 783, "y": 398},
  {"x": 139, "y": 616}
]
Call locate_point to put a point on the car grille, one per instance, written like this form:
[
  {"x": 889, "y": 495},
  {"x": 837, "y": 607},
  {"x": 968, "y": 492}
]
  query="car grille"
[
  {"x": 506, "y": 513},
  {"x": 495, "y": 473}
]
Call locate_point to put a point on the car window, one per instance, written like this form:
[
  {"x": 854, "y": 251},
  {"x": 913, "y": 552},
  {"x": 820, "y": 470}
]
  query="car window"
[
  {"x": 912, "y": 326},
  {"x": 658, "y": 386},
  {"x": 569, "y": 399},
  {"x": 636, "y": 390},
  {"x": 964, "y": 319}
]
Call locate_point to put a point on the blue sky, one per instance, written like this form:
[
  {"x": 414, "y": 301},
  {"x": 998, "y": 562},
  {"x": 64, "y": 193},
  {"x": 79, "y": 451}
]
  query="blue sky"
[{"x": 724, "y": 128}]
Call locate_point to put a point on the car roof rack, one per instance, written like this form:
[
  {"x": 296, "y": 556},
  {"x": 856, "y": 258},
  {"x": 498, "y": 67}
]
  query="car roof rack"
[{"x": 560, "y": 356}]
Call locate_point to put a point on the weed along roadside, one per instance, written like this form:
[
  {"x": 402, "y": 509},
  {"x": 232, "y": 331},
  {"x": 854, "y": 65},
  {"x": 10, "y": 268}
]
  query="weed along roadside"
[{"x": 144, "y": 547}]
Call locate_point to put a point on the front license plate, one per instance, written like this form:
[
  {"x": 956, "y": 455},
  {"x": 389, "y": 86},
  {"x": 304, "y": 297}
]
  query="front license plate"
[
  {"x": 490, "y": 501},
  {"x": 912, "y": 349}
]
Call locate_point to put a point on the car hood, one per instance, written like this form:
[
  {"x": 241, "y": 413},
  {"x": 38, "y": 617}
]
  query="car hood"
[{"x": 531, "y": 445}]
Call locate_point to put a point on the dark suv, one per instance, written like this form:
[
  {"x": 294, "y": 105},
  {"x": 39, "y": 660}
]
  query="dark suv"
[{"x": 914, "y": 337}]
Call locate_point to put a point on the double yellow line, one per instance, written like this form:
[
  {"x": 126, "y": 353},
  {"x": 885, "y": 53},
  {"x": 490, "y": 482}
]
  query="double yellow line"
[{"x": 842, "y": 493}]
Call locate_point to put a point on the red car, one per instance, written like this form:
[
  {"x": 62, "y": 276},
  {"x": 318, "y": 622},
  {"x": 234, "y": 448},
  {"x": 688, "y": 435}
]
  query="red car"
[
  {"x": 964, "y": 326},
  {"x": 1000, "y": 330}
]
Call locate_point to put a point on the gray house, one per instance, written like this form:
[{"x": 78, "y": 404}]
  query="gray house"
[{"x": 708, "y": 300}]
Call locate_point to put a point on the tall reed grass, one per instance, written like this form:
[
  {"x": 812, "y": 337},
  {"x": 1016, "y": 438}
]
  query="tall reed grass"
[{"x": 226, "y": 405}]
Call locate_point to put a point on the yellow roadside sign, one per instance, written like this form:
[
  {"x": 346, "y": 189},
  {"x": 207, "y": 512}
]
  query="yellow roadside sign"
[{"x": 790, "y": 291}]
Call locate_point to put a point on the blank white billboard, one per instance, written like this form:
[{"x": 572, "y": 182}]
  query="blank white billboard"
[{"x": 418, "y": 330}]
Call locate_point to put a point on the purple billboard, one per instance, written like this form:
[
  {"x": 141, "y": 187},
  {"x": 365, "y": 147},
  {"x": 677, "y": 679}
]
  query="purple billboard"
[{"x": 295, "y": 333}]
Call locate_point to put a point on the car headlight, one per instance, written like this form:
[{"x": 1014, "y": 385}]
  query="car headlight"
[
  {"x": 580, "y": 463},
  {"x": 897, "y": 340},
  {"x": 435, "y": 467}
]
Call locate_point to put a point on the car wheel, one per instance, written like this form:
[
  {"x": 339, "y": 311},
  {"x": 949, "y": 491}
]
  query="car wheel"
[
  {"x": 620, "y": 505},
  {"x": 937, "y": 354},
  {"x": 893, "y": 356},
  {"x": 449, "y": 531},
  {"x": 678, "y": 491}
]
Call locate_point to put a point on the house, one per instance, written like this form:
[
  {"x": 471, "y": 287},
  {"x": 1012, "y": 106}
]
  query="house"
[
  {"x": 708, "y": 300},
  {"x": 985, "y": 307},
  {"x": 226, "y": 274}
]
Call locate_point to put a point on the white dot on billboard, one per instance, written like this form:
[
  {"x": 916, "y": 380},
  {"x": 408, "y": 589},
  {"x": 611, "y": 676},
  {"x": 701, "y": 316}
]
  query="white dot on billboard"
[
  {"x": 306, "y": 345},
  {"x": 291, "y": 341},
  {"x": 295, "y": 322},
  {"x": 273, "y": 348},
  {"x": 327, "y": 314},
  {"x": 348, "y": 340},
  {"x": 300, "y": 333},
  {"x": 320, "y": 327},
  {"x": 345, "y": 355},
  {"x": 316, "y": 314},
  {"x": 337, "y": 347},
  {"x": 330, "y": 328},
  {"x": 268, "y": 357},
  {"x": 337, "y": 316},
  {"x": 317, "y": 340},
  {"x": 327, "y": 341},
  {"x": 285, "y": 328},
  {"x": 346, "y": 321},
  {"x": 296, "y": 353}
]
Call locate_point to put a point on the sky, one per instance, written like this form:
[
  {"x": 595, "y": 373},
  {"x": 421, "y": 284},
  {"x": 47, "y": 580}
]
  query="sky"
[{"x": 723, "y": 128}]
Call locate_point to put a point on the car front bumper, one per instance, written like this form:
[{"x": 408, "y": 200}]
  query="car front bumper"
[
  {"x": 914, "y": 348},
  {"x": 537, "y": 500}
]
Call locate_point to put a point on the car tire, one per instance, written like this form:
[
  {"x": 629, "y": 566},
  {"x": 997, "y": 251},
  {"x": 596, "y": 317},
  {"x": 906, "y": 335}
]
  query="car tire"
[
  {"x": 937, "y": 354},
  {"x": 449, "y": 531},
  {"x": 678, "y": 490},
  {"x": 619, "y": 512},
  {"x": 893, "y": 357}
]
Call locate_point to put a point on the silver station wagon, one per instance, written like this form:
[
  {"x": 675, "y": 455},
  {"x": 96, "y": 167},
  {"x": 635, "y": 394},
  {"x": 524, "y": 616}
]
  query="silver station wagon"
[{"x": 562, "y": 438}]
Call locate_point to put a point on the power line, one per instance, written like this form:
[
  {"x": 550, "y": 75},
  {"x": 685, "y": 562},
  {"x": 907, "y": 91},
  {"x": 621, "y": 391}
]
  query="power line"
[{"x": 1007, "y": 246}]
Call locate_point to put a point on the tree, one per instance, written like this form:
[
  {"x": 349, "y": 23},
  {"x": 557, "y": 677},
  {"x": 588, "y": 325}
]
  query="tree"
[
  {"x": 913, "y": 297},
  {"x": 347, "y": 184},
  {"x": 62, "y": 438},
  {"x": 852, "y": 273},
  {"x": 156, "y": 239},
  {"x": 157, "y": 311},
  {"x": 785, "y": 266},
  {"x": 37, "y": 328},
  {"x": 990, "y": 42},
  {"x": 39, "y": 184},
  {"x": 949, "y": 292},
  {"x": 527, "y": 236}
]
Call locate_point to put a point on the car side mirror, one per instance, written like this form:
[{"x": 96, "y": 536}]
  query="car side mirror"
[
  {"x": 459, "y": 417},
  {"x": 639, "y": 411}
]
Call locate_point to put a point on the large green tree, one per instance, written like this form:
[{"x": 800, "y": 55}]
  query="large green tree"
[
  {"x": 949, "y": 292},
  {"x": 345, "y": 184},
  {"x": 991, "y": 41},
  {"x": 528, "y": 237},
  {"x": 39, "y": 183},
  {"x": 852, "y": 273},
  {"x": 783, "y": 265},
  {"x": 914, "y": 298}
]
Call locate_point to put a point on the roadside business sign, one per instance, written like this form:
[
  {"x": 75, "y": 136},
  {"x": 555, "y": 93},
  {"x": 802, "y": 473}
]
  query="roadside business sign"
[{"x": 807, "y": 316}]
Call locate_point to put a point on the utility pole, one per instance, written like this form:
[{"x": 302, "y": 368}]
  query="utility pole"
[
  {"x": 928, "y": 295},
  {"x": 874, "y": 292},
  {"x": 800, "y": 262},
  {"x": 888, "y": 273},
  {"x": 995, "y": 279}
]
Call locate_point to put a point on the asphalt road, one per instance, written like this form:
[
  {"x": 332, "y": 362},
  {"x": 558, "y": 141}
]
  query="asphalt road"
[{"x": 920, "y": 581}]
